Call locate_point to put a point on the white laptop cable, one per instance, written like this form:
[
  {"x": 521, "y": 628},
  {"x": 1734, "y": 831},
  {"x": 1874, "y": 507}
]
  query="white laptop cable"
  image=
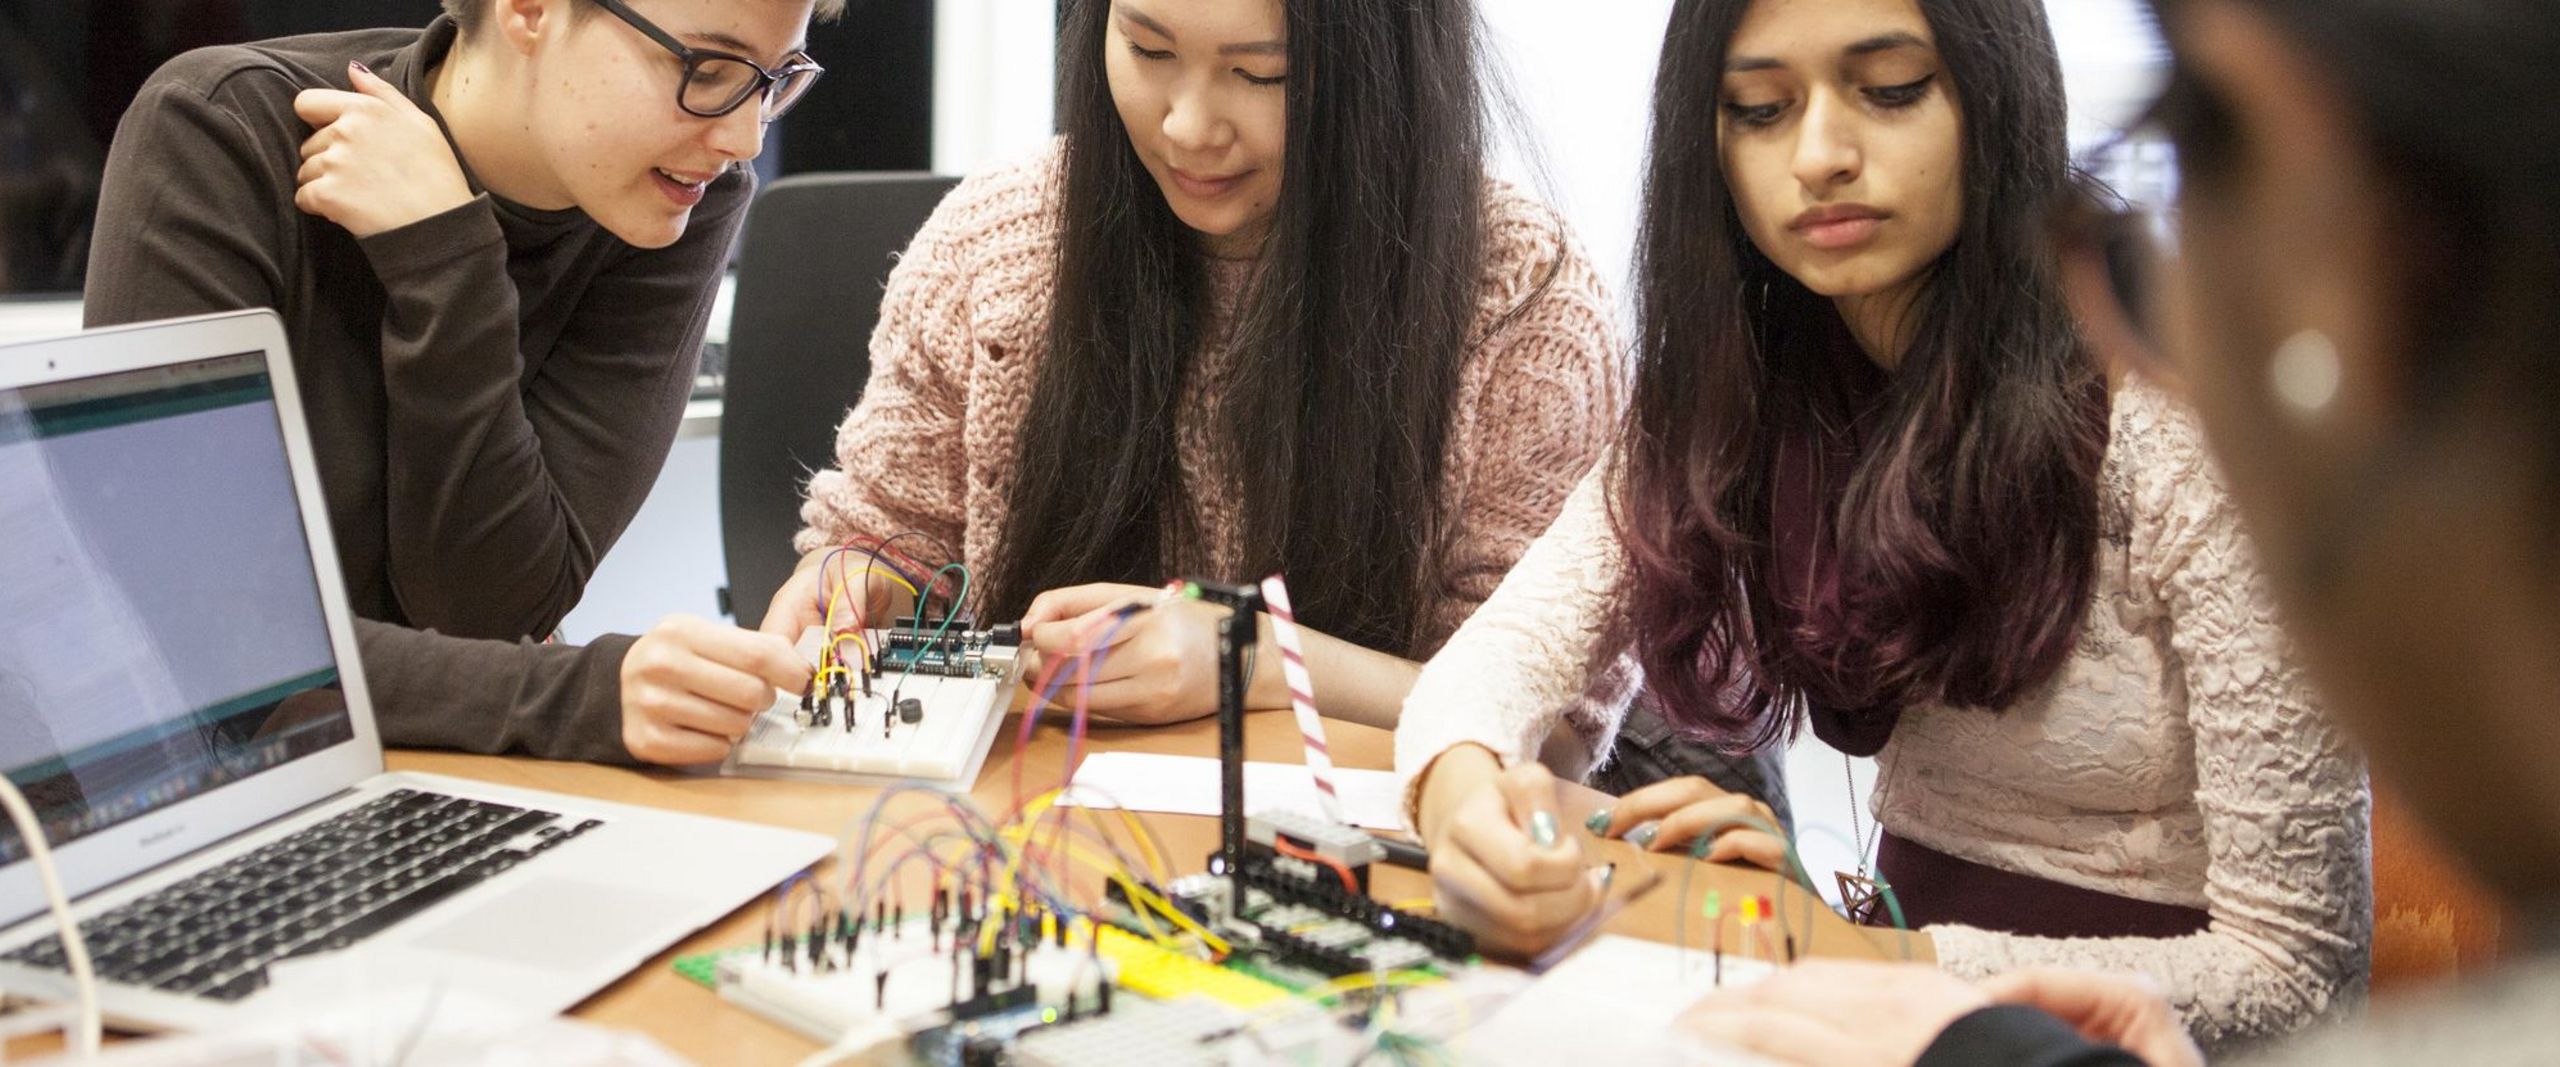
[{"x": 75, "y": 950}]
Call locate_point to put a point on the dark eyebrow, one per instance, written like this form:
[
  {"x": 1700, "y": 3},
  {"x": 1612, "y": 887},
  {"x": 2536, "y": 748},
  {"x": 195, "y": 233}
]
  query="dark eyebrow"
[
  {"x": 1252, "y": 48},
  {"x": 1141, "y": 18},
  {"x": 1883, "y": 42}
]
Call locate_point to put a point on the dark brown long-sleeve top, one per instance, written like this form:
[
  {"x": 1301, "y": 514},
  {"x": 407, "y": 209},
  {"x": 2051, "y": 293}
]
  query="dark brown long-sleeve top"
[{"x": 491, "y": 391}]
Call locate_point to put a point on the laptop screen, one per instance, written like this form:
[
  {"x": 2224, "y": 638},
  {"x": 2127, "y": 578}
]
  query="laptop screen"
[{"x": 160, "y": 631}]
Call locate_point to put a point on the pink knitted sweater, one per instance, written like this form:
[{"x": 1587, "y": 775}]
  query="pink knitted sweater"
[{"x": 963, "y": 329}]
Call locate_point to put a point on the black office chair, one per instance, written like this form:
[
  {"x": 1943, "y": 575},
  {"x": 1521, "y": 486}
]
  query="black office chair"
[{"x": 811, "y": 267}]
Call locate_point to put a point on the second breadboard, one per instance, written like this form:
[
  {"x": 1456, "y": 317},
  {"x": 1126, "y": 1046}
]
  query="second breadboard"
[{"x": 911, "y": 704}]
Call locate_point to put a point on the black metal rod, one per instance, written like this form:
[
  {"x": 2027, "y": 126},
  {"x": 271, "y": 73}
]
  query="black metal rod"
[
  {"x": 1237, "y": 632},
  {"x": 1231, "y": 740}
]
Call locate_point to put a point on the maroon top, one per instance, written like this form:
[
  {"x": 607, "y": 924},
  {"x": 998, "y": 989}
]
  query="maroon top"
[
  {"x": 1814, "y": 461},
  {"x": 1815, "y": 458}
]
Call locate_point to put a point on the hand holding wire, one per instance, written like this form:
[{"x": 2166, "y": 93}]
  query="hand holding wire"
[
  {"x": 1504, "y": 869},
  {"x": 691, "y": 687},
  {"x": 1162, "y": 666},
  {"x": 847, "y": 586},
  {"x": 1669, "y": 815},
  {"x": 797, "y": 606}
]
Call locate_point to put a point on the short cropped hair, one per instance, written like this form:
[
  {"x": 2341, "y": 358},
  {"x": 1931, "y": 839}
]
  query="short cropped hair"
[{"x": 469, "y": 14}]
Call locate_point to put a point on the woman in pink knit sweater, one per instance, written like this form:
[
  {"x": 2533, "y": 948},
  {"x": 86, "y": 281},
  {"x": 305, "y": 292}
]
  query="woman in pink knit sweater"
[{"x": 1257, "y": 310}]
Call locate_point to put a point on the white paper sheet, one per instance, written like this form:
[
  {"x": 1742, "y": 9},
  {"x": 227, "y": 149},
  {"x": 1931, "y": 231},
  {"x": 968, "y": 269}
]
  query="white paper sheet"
[
  {"x": 1188, "y": 785},
  {"x": 1620, "y": 995}
]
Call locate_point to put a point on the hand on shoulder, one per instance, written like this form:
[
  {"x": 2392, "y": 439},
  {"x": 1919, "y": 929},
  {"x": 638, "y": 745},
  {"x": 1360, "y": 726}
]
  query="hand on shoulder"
[{"x": 375, "y": 161}]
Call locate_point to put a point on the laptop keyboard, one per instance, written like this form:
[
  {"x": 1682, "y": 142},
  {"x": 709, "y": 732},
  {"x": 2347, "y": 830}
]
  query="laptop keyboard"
[{"x": 325, "y": 887}]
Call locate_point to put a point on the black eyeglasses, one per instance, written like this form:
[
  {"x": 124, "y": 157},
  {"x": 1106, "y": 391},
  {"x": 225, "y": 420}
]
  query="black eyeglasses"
[{"x": 716, "y": 83}]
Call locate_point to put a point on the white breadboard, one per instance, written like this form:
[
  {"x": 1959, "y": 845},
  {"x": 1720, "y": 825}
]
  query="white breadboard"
[
  {"x": 825, "y": 1002},
  {"x": 897, "y": 982},
  {"x": 945, "y": 749}
]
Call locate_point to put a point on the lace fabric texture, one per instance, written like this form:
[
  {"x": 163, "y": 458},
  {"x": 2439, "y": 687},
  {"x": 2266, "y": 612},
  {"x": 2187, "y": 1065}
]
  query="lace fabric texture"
[{"x": 2178, "y": 757}]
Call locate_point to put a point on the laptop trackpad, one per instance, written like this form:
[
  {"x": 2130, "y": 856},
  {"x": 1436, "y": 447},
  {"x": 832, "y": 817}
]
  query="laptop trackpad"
[{"x": 556, "y": 924}]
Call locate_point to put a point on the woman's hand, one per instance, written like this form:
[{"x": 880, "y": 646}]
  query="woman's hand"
[
  {"x": 1669, "y": 815},
  {"x": 374, "y": 162},
  {"x": 1161, "y": 664},
  {"x": 1501, "y": 866},
  {"x": 1827, "y": 1012},
  {"x": 800, "y": 604},
  {"x": 691, "y": 687},
  {"x": 2126, "y": 1011}
]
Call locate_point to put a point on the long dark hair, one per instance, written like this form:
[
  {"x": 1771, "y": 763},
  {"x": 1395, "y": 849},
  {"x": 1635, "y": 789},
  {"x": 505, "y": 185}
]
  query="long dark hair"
[
  {"x": 1963, "y": 537},
  {"x": 1348, "y": 341}
]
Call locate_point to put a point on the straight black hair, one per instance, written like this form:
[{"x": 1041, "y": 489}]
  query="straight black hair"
[{"x": 1347, "y": 343}]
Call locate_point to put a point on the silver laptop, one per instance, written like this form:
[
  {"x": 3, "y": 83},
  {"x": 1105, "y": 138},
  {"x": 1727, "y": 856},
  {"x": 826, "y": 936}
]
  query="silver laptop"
[{"x": 181, "y": 701}]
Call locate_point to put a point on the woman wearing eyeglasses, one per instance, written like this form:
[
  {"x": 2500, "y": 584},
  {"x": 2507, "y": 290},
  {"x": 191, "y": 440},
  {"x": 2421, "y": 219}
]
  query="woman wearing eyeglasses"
[
  {"x": 494, "y": 243},
  {"x": 1873, "y": 476},
  {"x": 1260, "y": 310}
]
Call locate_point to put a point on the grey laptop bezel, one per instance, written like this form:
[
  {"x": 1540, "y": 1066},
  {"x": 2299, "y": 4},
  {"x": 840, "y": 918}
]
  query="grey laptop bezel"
[{"x": 159, "y": 837}]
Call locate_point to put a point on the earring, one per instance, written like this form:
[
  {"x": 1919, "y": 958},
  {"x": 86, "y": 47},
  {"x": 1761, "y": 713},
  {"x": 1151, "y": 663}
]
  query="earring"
[{"x": 2305, "y": 374}]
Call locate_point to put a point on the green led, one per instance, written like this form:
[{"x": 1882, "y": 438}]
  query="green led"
[{"x": 1715, "y": 904}]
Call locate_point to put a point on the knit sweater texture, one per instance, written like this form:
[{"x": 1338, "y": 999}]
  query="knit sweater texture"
[{"x": 932, "y": 445}]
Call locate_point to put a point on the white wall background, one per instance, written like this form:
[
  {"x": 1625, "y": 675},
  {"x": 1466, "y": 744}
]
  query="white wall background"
[{"x": 1583, "y": 75}]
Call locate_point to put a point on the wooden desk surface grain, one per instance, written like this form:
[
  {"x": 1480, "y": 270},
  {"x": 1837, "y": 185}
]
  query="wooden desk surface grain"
[{"x": 697, "y": 1024}]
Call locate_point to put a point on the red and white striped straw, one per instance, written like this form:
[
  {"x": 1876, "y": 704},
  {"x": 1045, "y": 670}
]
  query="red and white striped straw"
[{"x": 1302, "y": 699}]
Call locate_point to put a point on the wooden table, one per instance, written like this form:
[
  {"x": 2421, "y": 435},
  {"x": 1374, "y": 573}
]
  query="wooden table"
[{"x": 698, "y": 1025}]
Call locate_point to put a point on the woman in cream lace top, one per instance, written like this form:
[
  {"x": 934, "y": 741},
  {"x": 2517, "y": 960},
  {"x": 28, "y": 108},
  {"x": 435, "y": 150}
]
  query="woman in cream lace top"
[{"x": 1953, "y": 542}]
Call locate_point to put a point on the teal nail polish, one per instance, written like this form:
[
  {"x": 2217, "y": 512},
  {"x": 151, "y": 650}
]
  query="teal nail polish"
[
  {"x": 1542, "y": 829},
  {"x": 1642, "y": 836},
  {"x": 1598, "y": 823}
]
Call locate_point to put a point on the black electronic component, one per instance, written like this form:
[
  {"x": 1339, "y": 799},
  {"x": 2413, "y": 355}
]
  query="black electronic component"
[
  {"x": 993, "y": 1003},
  {"x": 910, "y": 710},
  {"x": 1446, "y": 941},
  {"x": 1404, "y": 853},
  {"x": 1257, "y": 854},
  {"x": 981, "y": 1032},
  {"x": 1297, "y": 951}
]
